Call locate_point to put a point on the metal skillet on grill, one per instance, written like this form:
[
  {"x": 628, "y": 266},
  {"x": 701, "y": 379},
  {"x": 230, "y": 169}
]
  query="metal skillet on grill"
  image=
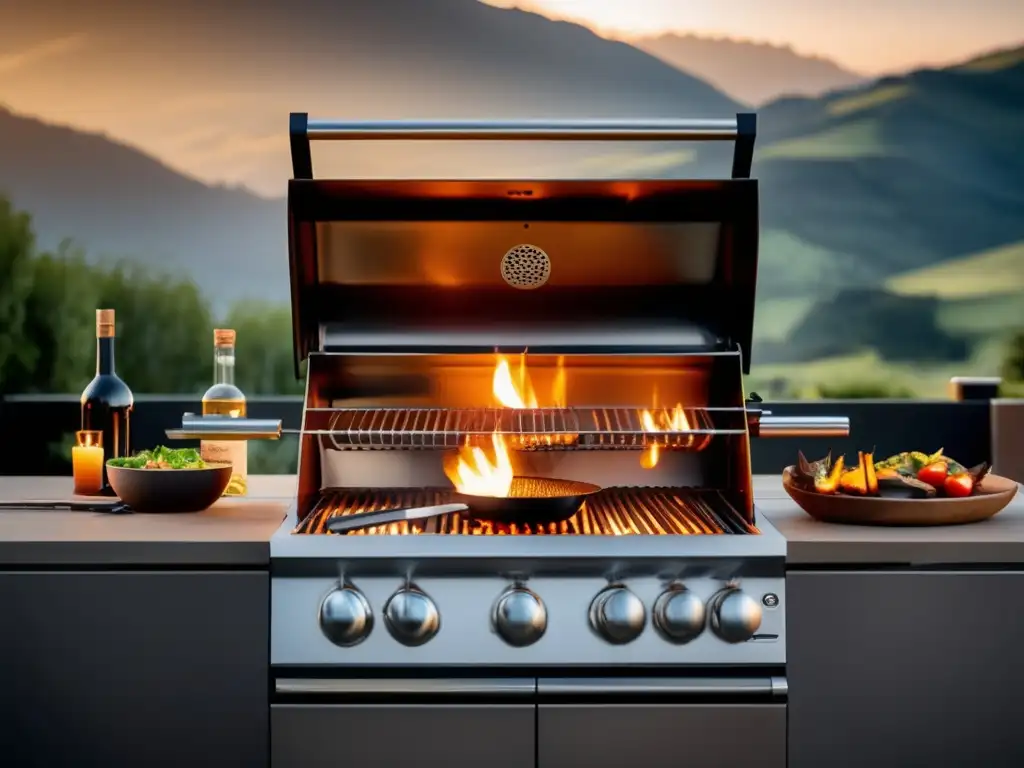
[{"x": 531, "y": 500}]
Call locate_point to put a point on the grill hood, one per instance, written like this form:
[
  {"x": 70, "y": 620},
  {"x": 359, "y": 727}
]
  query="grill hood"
[{"x": 652, "y": 265}]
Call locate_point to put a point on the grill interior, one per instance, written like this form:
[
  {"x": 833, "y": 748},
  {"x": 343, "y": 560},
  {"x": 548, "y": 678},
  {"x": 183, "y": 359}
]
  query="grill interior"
[{"x": 610, "y": 512}]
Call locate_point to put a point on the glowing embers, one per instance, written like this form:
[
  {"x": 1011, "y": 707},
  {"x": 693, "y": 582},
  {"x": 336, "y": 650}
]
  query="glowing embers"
[{"x": 611, "y": 512}]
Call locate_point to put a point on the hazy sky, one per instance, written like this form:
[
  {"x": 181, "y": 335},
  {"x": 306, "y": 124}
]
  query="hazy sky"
[{"x": 868, "y": 36}]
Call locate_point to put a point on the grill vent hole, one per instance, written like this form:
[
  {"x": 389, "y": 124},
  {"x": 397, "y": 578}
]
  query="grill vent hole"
[{"x": 525, "y": 267}]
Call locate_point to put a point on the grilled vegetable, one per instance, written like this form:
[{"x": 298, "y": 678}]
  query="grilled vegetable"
[
  {"x": 934, "y": 474},
  {"x": 979, "y": 472},
  {"x": 829, "y": 483},
  {"x": 904, "y": 487},
  {"x": 959, "y": 485},
  {"x": 807, "y": 474},
  {"x": 861, "y": 481},
  {"x": 906, "y": 463}
]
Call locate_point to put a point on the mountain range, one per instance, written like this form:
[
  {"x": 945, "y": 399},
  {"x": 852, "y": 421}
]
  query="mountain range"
[
  {"x": 205, "y": 84},
  {"x": 861, "y": 187},
  {"x": 751, "y": 72}
]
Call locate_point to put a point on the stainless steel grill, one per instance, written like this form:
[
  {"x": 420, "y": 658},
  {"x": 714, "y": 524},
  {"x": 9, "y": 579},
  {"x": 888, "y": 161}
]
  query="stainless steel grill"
[
  {"x": 579, "y": 427},
  {"x": 611, "y": 512}
]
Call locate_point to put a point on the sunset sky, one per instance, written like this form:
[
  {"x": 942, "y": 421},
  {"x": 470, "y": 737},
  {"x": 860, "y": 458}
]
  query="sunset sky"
[{"x": 868, "y": 36}]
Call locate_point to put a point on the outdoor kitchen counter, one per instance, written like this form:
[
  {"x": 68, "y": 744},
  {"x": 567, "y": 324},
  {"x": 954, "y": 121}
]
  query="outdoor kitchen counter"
[
  {"x": 234, "y": 532},
  {"x": 813, "y": 543},
  {"x": 238, "y": 531}
]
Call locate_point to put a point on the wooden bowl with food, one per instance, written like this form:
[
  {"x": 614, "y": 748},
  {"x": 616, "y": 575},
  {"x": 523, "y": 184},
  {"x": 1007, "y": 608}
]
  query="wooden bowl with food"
[
  {"x": 167, "y": 480},
  {"x": 907, "y": 489}
]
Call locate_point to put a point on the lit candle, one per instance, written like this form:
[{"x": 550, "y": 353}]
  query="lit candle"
[{"x": 87, "y": 462}]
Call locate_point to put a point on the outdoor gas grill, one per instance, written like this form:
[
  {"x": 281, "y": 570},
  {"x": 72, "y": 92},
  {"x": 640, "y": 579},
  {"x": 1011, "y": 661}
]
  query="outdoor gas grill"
[{"x": 592, "y": 331}]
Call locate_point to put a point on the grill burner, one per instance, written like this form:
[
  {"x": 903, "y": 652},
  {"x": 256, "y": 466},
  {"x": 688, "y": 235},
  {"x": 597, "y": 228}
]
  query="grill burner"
[{"x": 610, "y": 512}]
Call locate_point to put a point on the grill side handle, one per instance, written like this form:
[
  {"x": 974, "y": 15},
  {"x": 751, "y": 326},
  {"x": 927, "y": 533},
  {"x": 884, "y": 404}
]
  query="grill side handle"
[
  {"x": 303, "y": 130},
  {"x": 761, "y": 423}
]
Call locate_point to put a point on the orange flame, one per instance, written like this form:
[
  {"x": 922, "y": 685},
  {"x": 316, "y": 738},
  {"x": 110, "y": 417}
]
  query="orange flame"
[
  {"x": 473, "y": 472},
  {"x": 666, "y": 421},
  {"x": 509, "y": 392}
]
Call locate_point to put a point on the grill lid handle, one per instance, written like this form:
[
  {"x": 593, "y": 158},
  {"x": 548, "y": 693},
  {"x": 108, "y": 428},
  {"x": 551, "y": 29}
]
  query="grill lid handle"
[{"x": 742, "y": 129}]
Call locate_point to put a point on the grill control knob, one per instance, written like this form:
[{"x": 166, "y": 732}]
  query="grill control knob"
[
  {"x": 678, "y": 615},
  {"x": 735, "y": 615},
  {"x": 617, "y": 615},
  {"x": 519, "y": 616},
  {"x": 411, "y": 616},
  {"x": 345, "y": 616}
]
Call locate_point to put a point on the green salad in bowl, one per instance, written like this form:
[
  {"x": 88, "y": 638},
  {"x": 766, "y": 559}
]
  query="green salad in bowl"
[
  {"x": 161, "y": 458},
  {"x": 197, "y": 487}
]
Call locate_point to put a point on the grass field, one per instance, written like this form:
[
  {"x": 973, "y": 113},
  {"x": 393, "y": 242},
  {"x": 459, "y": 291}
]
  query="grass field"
[
  {"x": 923, "y": 381},
  {"x": 868, "y": 99},
  {"x": 775, "y": 318},
  {"x": 852, "y": 141},
  {"x": 995, "y": 62},
  {"x": 992, "y": 272}
]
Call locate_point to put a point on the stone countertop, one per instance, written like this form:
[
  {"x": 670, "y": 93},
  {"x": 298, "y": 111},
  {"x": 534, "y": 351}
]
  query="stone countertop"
[
  {"x": 236, "y": 532},
  {"x": 232, "y": 533},
  {"x": 810, "y": 543}
]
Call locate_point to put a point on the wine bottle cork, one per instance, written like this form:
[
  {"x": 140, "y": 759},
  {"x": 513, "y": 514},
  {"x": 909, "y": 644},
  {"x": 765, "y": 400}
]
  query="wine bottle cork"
[
  {"x": 104, "y": 323},
  {"x": 223, "y": 337}
]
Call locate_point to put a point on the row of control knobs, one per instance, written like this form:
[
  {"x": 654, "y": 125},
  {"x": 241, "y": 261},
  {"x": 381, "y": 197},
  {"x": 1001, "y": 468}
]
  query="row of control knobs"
[{"x": 520, "y": 617}]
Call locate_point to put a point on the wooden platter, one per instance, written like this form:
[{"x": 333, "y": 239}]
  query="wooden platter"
[{"x": 990, "y": 497}]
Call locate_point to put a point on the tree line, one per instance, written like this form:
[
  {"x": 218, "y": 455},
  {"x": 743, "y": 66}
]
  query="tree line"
[{"x": 164, "y": 324}]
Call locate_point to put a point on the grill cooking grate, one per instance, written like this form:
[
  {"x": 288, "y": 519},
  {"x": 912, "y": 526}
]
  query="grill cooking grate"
[
  {"x": 610, "y": 512},
  {"x": 528, "y": 428}
]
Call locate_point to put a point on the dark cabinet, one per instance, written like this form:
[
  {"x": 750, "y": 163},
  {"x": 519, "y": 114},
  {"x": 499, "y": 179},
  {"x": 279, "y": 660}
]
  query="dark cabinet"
[
  {"x": 905, "y": 669},
  {"x": 387, "y": 735},
  {"x": 134, "y": 669},
  {"x": 661, "y": 735}
]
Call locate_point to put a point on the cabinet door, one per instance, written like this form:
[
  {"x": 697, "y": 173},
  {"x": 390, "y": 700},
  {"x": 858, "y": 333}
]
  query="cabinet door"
[
  {"x": 661, "y": 735},
  {"x": 134, "y": 669},
  {"x": 898, "y": 670},
  {"x": 390, "y": 735}
]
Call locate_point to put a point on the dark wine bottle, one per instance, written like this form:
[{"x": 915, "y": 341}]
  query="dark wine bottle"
[{"x": 107, "y": 402}]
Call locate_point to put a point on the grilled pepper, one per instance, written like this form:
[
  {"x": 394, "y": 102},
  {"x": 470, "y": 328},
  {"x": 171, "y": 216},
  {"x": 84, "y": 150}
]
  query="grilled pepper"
[
  {"x": 861, "y": 481},
  {"x": 828, "y": 482}
]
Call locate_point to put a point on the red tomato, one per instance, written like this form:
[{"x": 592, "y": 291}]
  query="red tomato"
[
  {"x": 959, "y": 486},
  {"x": 934, "y": 474}
]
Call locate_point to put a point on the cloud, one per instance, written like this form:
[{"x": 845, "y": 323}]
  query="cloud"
[{"x": 48, "y": 49}]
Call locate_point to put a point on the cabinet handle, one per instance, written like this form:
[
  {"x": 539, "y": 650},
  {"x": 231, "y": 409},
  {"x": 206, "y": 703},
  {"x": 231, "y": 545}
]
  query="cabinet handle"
[
  {"x": 410, "y": 687},
  {"x": 776, "y": 687}
]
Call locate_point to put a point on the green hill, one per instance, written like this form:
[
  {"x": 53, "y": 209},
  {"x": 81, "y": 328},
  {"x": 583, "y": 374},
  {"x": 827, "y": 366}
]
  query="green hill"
[{"x": 898, "y": 176}]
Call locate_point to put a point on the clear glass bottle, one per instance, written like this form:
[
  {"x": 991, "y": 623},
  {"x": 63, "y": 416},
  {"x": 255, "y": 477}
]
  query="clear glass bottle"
[
  {"x": 107, "y": 401},
  {"x": 225, "y": 399}
]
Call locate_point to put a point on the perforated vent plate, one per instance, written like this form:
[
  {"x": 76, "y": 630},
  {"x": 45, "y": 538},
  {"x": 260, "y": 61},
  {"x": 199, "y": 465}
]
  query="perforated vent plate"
[{"x": 525, "y": 267}]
